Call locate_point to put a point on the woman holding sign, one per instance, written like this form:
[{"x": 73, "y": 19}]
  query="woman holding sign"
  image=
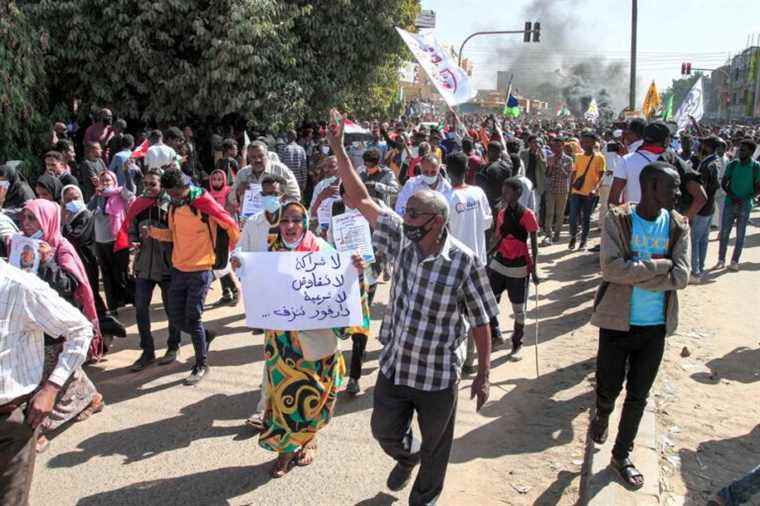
[{"x": 304, "y": 370}]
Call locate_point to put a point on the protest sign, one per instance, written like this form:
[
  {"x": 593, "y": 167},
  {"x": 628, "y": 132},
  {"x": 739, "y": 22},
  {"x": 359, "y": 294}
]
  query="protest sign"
[
  {"x": 300, "y": 290},
  {"x": 25, "y": 253},
  {"x": 352, "y": 234},
  {"x": 324, "y": 211},
  {"x": 252, "y": 201}
]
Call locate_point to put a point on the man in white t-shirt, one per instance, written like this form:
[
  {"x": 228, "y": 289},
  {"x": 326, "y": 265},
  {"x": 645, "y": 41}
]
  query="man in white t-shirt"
[
  {"x": 469, "y": 219},
  {"x": 626, "y": 175},
  {"x": 159, "y": 154}
]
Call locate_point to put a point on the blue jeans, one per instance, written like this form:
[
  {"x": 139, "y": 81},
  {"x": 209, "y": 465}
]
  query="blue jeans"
[
  {"x": 738, "y": 213},
  {"x": 742, "y": 490},
  {"x": 580, "y": 204},
  {"x": 187, "y": 294},
  {"x": 700, "y": 234},
  {"x": 143, "y": 295}
]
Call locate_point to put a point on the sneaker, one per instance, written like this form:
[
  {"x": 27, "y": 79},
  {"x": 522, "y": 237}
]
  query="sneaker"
[
  {"x": 555, "y": 239},
  {"x": 144, "y": 361},
  {"x": 719, "y": 266},
  {"x": 353, "y": 387},
  {"x": 571, "y": 244},
  {"x": 695, "y": 279},
  {"x": 198, "y": 373},
  {"x": 733, "y": 266},
  {"x": 547, "y": 241},
  {"x": 226, "y": 300},
  {"x": 596, "y": 249},
  {"x": 399, "y": 477},
  {"x": 582, "y": 247},
  {"x": 169, "y": 357}
]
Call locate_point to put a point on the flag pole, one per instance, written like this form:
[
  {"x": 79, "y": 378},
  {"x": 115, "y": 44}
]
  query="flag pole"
[{"x": 537, "y": 375}]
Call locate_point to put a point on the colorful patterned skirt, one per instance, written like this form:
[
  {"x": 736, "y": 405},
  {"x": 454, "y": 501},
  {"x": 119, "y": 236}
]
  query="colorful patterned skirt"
[{"x": 302, "y": 393}]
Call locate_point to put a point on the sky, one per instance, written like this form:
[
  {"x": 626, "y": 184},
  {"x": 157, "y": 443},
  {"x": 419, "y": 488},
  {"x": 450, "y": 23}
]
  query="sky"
[{"x": 669, "y": 32}]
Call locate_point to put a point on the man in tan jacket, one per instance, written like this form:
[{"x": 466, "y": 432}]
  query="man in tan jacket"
[{"x": 645, "y": 260}]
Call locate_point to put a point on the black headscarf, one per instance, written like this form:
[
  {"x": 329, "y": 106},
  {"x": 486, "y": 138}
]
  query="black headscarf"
[
  {"x": 19, "y": 192},
  {"x": 52, "y": 184}
]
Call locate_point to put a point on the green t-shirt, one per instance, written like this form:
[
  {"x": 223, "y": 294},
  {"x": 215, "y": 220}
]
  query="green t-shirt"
[{"x": 743, "y": 178}]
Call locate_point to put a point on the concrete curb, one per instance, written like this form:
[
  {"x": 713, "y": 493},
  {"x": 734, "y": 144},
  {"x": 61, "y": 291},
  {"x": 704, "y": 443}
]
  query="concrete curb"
[{"x": 601, "y": 485}]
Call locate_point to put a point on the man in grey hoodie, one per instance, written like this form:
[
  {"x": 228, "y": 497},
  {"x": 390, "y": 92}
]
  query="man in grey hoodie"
[{"x": 645, "y": 260}]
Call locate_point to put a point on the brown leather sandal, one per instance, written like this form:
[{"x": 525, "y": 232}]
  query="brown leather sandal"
[
  {"x": 95, "y": 406},
  {"x": 283, "y": 465}
]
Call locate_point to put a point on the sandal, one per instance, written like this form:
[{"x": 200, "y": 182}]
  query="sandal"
[
  {"x": 599, "y": 430},
  {"x": 628, "y": 472},
  {"x": 43, "y": 443},
  {"x": 256, "y": 422},
  {"x": 306, "y": 455},
  {"x": 95, "y": 406},
  {"x": 283, "y": 465}
]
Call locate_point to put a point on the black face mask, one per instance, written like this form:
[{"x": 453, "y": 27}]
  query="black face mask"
[{"x": 416, "y": 233}]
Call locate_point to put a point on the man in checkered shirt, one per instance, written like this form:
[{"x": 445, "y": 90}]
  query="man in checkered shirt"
[{"x": 439, "y": 288}]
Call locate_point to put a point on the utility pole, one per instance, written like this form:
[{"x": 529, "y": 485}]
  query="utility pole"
[{"x": 632, "y": 92}]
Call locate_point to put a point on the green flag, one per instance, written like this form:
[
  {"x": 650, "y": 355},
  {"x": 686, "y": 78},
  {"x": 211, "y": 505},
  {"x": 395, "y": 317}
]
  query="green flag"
[{"x": 667, "y": 113}]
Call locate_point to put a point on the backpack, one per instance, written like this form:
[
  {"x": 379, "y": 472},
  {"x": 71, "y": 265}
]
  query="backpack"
[{"x": 221, "y": 245}]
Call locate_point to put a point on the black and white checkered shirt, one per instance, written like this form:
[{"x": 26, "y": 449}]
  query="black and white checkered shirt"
[{"x": 424, "y": 329}]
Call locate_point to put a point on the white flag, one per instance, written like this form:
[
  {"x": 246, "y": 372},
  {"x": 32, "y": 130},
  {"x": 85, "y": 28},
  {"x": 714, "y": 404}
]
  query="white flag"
[
  {"x": 592, "y": 113},
  {"x": 451, "y": 81},
  {"x": 692, "y": 105}
]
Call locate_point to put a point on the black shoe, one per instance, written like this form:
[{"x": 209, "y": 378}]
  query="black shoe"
[
  {"x": 235, "y": 298},
  {"x": 582, "y": 247},
  {"x": 110, "y": 326},
  {"x": 571, "y": 244},
  {"x": 144, "y": 361},
  {"x": 555, "y": 239},
  {"x": 596, "y": 249},
  {"x": 169, "y": 357},
  {"x": 399, "y": 477},
  {"x": 226, "y": 300},
  {"x": 198, "y": 373},
  {"x": 210, "y": 336},
  {"x": 353, "y": 387},
  {"x": 469, "y": 370}
]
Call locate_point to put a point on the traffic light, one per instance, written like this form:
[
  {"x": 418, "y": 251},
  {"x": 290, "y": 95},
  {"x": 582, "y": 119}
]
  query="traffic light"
[
  {"x": 686, "y": 69},
  {"x": 528, "y": 29},
  {"x": 536, "y": 32},
  {"x": 683, "y": 69}
]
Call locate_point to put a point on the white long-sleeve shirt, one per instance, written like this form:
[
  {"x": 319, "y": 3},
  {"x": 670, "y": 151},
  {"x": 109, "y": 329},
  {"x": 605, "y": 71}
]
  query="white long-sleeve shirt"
[
  {"x": 417, "y": 184},
  {"x": 29, "y": 308}
]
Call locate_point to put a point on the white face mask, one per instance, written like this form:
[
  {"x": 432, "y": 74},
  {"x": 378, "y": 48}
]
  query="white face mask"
[
  {"x": 429, "y": 180},
  {"x": 291, "y": 245},
  {"x": 325, "y": 150},
  {"x": 414, "y": 151},
  {"x": 37, "y": 234},
  {"x": 5, "y": 184}
]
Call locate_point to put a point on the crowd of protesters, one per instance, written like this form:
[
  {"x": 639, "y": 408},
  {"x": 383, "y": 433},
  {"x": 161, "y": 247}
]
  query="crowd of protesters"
[{"x": 460, "y": 208}]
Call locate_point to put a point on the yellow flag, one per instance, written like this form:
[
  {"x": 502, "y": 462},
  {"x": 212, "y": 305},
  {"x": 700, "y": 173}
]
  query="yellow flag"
[{"x": 651, "y": 102}]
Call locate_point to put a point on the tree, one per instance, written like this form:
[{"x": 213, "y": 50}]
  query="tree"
[
  {"x": 22, "y": 93},
  {"x": 274, "y": 61}
]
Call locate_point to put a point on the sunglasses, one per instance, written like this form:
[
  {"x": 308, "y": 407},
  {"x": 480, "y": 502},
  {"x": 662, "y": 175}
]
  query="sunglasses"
[{"x": 414, "y": 213}]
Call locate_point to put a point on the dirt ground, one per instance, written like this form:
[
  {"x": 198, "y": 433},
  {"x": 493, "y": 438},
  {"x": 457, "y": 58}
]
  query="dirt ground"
[{"x": 160, "y": 442}]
